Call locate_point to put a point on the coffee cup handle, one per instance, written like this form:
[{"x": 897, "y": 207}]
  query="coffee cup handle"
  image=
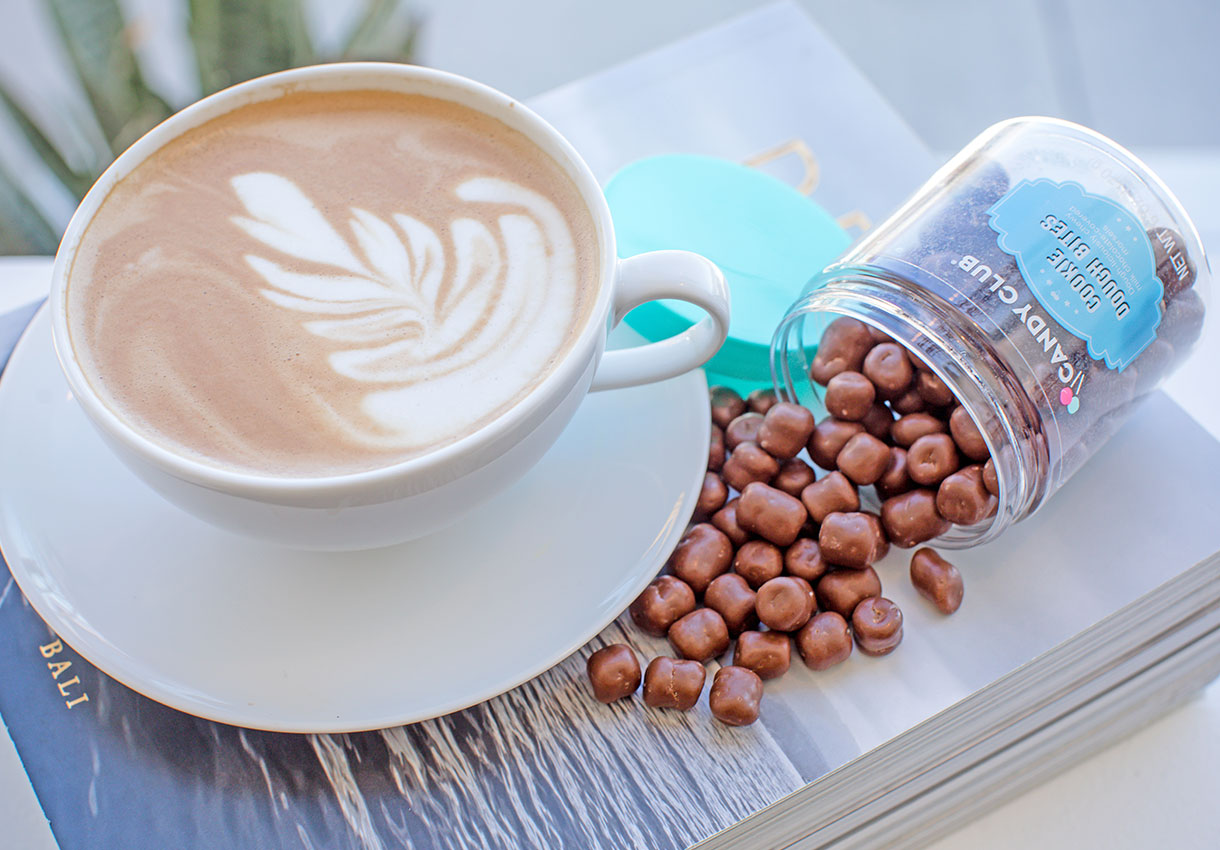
[{"x": 679, "y": 275}]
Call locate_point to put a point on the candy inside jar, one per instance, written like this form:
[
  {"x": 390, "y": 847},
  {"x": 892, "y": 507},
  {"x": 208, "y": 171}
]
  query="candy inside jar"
[{"x": 996, "y": 330}]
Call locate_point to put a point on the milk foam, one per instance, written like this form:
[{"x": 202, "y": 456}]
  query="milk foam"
[
  {"x": 331, "y": 282},
  {"x": 507, "y": 294}
]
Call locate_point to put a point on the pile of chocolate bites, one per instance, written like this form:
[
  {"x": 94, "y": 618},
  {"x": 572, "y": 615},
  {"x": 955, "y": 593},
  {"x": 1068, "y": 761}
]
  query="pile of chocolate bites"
[{"x": 780, "y": 553}]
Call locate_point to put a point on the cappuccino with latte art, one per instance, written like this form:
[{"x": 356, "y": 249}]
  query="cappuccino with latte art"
[
  {"x": 339, "y": 307},
  {"x": 330, "y": 282}
]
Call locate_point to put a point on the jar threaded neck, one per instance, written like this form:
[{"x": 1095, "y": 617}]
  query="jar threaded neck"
[{"x": 957, "y": 351}]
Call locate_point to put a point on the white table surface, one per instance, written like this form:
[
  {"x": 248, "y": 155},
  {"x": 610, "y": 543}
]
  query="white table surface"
[{"x": 1160, "y": 786}]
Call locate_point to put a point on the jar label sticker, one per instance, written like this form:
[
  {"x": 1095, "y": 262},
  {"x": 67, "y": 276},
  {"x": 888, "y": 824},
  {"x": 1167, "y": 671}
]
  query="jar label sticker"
[{"x": 1089, "y": 263}]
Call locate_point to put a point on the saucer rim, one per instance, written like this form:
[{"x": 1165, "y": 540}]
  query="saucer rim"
[{"x": 105, "y": 656}]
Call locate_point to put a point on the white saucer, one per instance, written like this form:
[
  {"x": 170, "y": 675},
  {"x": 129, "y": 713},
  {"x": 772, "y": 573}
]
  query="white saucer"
[{"x": 258, "y": 636}]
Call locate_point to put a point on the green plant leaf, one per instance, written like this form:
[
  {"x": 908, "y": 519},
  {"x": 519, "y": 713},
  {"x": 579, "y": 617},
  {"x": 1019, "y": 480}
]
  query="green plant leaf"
[
  {"x": 97, "y": 40},
  {"x": 76, "y": 182},
  {"x": 204, "y": 27},
  {"x": 23, "y": 229},
  {"x": 290, "y": 23},
  {"x": 236, "y": 40},
  {"x": 383, "y": 32}
]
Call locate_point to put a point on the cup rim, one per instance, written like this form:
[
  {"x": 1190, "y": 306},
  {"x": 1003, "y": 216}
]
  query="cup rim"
[{"x": 389, "y": 76}]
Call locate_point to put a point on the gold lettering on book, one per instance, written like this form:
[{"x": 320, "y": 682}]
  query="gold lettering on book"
[
  {"x": 53, "y": 648},
  {"x": 58, "y": 668}
]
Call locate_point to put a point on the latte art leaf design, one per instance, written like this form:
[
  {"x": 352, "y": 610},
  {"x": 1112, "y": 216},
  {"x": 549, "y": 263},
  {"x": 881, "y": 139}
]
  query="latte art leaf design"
[{"x": 422, "y": 315}]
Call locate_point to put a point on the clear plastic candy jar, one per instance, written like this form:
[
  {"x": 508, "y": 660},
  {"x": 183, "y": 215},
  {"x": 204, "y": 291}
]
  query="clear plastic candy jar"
[{"x": 1045, "y": 275}]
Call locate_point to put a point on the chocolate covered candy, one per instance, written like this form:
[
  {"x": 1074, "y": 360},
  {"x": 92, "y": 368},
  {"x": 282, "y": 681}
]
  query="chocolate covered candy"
[
  {"x": 673, "y": 683},
  {"x": 967, "y": 435},
  {"x": 937, "y": 580},
  {"x": 824, "y": 641},
  {"x": 909, "y": 402},
  {"x": 853, "y": 540},
  {"x": 715, "y": 450},
  {"x": 785, "y": 430},
  {"x": 962, "y": 497},
  {"x": 990, "y": 480},
  {"x": 828, "y": 438},
  {"x": 665, "y": 601},
  {"x": 725, "y": 520},
  {"x": 843, "y": 346},
  {"x": 703, "y": 553},
  {"x": 727, "y": 405},
  {"x": 863, "y": 459},
  {"x": 770, "y": 513},
  {"x": 743, "y": 429},
  {"x": 830, "y": 493},
  {"x": 1183, "y": 320},
  {"x": 732, "y": 598},
  {"x": 878, "y": 421},
  {"x": 894, "y": 479},
  {"x": 849, "y": 395},
  {"x": 769, "y": 654},
  {"x": 785, "y": 604},
  {"x": 842, "y": 590},
  {"x": 747, "y": 463},
  {"x": 803, "y": 559},
  {"x": 614, "y": 672},
  {"x": 700, "y": 636},
  {"x": 761, "y": 400},
  {"x": 889, "y": 369},
  {"x": 932, "y": 458},
  {"x": 736, "y": 696},
  {"x": 794, "y": 476},
  {"x": 877, "y": 624},
  {"x": 878, "y": 336},
  {"x": 911, "y": 518},
  {"x": 758, "y": 562},
  {"x": 712, "y": 495},
  {"x": 909, "y": 428},
  {"x": 933, "y": 390}
]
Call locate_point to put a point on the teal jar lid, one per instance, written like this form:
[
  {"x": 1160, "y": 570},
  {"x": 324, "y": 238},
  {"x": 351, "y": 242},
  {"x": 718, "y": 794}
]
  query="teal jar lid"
[{"x": 766, "y": 237}]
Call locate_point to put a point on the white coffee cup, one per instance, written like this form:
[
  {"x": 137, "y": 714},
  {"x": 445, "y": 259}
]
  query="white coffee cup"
[{"x": 414, "y": 497}]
